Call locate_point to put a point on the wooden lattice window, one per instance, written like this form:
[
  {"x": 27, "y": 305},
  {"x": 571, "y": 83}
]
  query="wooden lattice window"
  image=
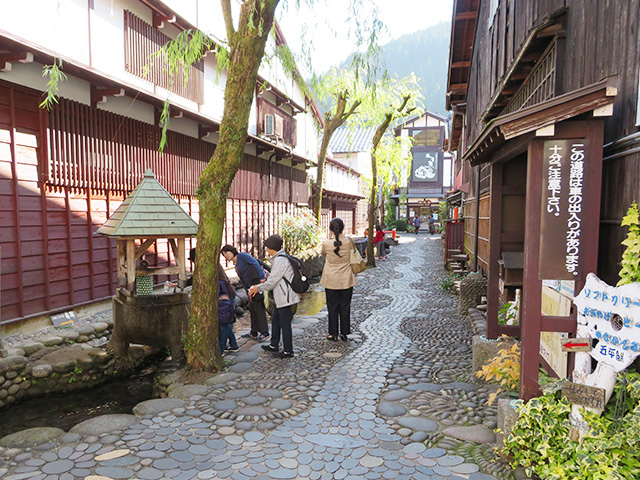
[
  {"x": 539, "y": 86},
  {"x": 92, "y": 149},
  {"x": 141, "y": 42}
]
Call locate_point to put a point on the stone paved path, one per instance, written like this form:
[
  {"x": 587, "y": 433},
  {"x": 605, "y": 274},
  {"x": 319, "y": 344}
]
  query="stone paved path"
[{"x": 395, "y": 402}]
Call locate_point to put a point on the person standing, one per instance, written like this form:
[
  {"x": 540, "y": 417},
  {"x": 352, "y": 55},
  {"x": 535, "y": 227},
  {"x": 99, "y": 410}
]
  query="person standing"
[
  {"x": 279, "y": 281},
  {"x": 378, "y": 241},
  {"x": 250, "y": 273},
  {"x": 432, "y": 225},
  {"x": 338, "y": 280},
  {"x": 226, "y": 313},
  {"x": 416, "y": 224}
]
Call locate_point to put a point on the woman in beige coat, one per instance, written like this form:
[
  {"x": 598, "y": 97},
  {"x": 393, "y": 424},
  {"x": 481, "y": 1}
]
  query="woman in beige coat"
[{"x": 338, "y": 280}]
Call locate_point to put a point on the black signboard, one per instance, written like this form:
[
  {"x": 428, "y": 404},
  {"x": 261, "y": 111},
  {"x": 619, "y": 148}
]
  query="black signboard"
[
  {"x": 425, "y": 166},
  {"x": 562, "y": 215}
]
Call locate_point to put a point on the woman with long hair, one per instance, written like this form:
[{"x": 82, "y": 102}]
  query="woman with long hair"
[{"x": 338, "y": 280}]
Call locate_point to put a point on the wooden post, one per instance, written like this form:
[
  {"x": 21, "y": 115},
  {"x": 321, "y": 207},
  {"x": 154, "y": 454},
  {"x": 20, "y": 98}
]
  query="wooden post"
[
  {"x": 131, "y": 264},
  {"x": 181, "y": 263},
  {"x": 532, "y": 295},
  {"x": 495, "y": 247},
  {"x": 121, "y": 262}
]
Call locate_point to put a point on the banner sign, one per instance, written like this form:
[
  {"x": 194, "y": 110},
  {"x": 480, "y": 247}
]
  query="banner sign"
[
  {"x": 425, "y": 166},
  {"x": 562, "y": 215},
  {"x": 612, "y": 316}
]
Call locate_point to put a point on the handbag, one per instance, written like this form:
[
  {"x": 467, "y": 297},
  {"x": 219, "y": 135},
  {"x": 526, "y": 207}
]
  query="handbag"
[{"x": 357, "y": 263}]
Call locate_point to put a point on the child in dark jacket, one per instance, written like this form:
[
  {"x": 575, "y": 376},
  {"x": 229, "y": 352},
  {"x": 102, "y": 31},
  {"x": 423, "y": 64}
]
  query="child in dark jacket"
[{"x": 226, "y": 313}]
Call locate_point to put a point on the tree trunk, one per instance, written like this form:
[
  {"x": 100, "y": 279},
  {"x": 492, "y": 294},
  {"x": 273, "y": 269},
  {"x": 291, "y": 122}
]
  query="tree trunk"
[
  {"x": 373, "y": 196},
  {"x": 331, "y": 124},
  {"x": 247, "y": 47}
]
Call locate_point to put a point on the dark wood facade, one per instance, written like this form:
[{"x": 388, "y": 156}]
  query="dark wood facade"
[
  {"x": 64, "y": 172},
  {"x": 533, "y": 71}
]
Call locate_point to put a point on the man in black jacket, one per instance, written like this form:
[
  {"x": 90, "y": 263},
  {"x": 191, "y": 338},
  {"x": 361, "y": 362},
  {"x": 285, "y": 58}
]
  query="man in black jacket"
[{"x": 250, "y": 273}]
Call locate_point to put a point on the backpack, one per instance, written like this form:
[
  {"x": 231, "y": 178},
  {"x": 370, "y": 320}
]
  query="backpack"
[{"x": 300, "y": 281}]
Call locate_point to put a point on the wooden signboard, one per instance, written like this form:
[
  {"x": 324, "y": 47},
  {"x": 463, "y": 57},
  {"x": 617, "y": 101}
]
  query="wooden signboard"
[
  {"x": 584, "y": 395},
  {"x": 562, "y": 214}
]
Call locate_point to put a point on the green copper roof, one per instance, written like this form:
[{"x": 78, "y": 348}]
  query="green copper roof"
[{"x": 149, "y": 211}]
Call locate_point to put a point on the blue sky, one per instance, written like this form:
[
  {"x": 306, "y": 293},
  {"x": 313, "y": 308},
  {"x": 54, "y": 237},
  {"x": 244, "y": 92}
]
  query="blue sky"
[{"x": 324, "y": 28}]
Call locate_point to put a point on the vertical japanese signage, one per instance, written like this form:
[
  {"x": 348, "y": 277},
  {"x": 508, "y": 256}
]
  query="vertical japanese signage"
[{"x": 562, "y": 215}]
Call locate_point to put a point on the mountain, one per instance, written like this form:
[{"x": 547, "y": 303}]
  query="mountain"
[{"x": 426, "y": 53}]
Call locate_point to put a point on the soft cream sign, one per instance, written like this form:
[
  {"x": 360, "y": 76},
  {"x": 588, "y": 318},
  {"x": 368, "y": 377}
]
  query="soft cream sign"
[{"x": 612, "y": 317}]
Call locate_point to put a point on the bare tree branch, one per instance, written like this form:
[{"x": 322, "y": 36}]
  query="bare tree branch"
[{"x": 228, "y": 19}]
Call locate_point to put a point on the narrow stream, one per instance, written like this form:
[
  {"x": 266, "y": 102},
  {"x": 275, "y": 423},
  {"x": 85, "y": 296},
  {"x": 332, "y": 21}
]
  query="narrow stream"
[{"x": 64, "y": 410}]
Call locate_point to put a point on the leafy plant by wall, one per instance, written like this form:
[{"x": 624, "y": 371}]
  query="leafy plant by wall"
[
  {"x": 503, "y": 369},
  {"x": 300, "y": 230},
  {"x": 540, "y": 439},
  {"x": 630, "y": 271}
]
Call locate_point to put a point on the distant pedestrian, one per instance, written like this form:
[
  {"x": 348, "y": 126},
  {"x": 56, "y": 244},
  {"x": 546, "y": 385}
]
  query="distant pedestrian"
[
  {"x": 416, "y": 224},
  {"x": 279, "y": 281},
  {"x": 432, "y": 225},
  {"x": 378, "y": 241},
  {"x": 338, "y": 280},
  {"x": 226, "y": 313},
  {"x": 250, "y": 273}
]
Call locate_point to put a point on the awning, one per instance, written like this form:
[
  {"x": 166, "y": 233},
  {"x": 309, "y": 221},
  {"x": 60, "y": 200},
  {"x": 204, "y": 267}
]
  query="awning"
[{"x": 531, "y": 119}]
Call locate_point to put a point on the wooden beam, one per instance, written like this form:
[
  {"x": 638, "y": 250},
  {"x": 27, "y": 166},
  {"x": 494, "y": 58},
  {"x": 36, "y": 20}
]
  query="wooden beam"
[
  {"x": 159, "y": 20},
  {"x": 558, "y": 324},
  {"x": 204, "y": 130},
  {"x": 465, "y": 64},
  {"x": 143, "y": 248},
  {"x": 99, "y": 95},
  {"x": 458, "y": 87},
  {"x": 6, "y": 59},
  {"x": 466, "y": 16}
]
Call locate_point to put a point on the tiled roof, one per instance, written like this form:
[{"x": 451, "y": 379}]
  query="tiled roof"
[
  {"x": 352, "y": 139},
  {"x": 149, "y": 211}
]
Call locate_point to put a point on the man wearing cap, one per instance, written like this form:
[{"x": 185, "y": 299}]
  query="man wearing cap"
[
  {"x": 280, "y": 282},
  {"x": 250, "y": 273}
]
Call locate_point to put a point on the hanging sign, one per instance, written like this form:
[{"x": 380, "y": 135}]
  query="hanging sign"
[
  {"x": 612, "y": 317},
  {"x": 562, "y": 217}
]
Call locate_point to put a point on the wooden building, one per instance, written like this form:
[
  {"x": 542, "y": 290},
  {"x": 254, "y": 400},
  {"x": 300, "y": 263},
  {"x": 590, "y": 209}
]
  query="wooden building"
[
  {"x": 64, "y": 172},
  {"x": 430, "y": 177},
  {"x": 544, "y": 95}
]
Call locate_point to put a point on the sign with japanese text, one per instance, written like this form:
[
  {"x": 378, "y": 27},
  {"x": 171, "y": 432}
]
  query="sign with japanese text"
[
  {"x": 612, "y": 317},
  {"x": 584, "y": 395},
  {"x": 562, "y": 216},
  {"x": 65, "y": 319}
]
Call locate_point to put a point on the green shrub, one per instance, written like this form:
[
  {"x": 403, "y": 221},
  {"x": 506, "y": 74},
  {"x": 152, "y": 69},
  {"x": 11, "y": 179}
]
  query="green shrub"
[
  {"x": 300, "y": 230},
  {"x": 630, "y": 271},
  {"x": 540, "y": 439},
  {"x": 401, "y": 225}
]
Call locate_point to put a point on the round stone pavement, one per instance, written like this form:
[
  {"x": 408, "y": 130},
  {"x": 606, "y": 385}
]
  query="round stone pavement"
[{"x": 356, "y": 409}]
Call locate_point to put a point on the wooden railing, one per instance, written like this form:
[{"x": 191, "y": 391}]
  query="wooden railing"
[{"x": 142, "y": 41}]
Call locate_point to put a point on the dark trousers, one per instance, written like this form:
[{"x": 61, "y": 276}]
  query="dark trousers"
[
  {"x": 339, "y": 307},
  {"x": 227, "y": 335},
  {"x": 258, "y": 316},
  {"x": 281, "y": 322}
]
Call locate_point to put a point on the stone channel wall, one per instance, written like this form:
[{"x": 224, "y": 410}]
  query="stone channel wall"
[{"x": 71, "y": 359}]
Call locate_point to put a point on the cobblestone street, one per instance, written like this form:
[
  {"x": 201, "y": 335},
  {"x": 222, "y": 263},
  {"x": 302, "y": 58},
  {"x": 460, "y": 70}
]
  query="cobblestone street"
[{"x": 397, "y": 401}]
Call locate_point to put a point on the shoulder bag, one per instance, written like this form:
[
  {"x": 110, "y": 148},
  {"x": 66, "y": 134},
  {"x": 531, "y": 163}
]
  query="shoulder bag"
[{"x": 357, "y": 263}]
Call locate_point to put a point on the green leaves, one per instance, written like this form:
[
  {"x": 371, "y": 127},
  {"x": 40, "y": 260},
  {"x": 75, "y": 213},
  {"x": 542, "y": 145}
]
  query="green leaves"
[
  {"x": 56, "y": 76},
  {"x": 630, "y": 271},
  {"x": 540, "y": 440}
]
